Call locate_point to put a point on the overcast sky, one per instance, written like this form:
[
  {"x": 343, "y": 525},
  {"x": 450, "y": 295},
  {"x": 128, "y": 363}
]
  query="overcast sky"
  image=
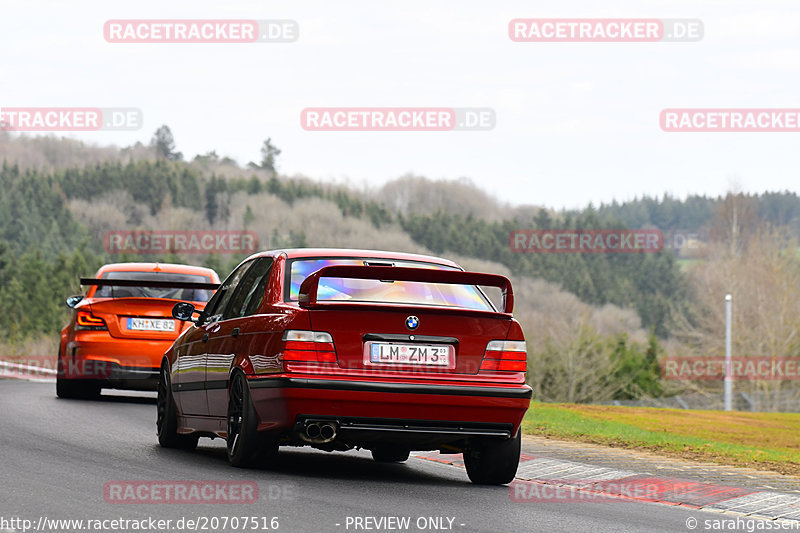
[{"x": 576, "y": 122}]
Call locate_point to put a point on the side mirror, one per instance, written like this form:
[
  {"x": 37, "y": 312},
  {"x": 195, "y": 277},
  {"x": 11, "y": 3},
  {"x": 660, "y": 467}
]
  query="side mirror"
[
  {"x": 72, "y": 301},
  {"x": 183, "y": 311}
]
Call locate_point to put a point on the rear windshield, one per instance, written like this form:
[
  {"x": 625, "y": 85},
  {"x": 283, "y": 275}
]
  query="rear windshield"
[
  {"x": 187, "y": 295},
  {"x": 367, "y": 290}
]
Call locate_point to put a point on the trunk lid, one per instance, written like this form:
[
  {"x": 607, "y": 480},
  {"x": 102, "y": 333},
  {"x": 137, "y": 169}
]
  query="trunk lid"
[
  {"x": 446, "y": 336},
  {"x": 138, "y": 318},
  {"x": 377, "y": 338}
]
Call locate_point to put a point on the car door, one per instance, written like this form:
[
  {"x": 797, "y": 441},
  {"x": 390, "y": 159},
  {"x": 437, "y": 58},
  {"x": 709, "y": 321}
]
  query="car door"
[
  {"x": 191, "y": 374},
  {"x": 188, "y": 373},
  {"x": 234, "y": 333}
]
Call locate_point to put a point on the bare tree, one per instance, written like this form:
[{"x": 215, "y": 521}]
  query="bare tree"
[{"x": 759, "y": 266}]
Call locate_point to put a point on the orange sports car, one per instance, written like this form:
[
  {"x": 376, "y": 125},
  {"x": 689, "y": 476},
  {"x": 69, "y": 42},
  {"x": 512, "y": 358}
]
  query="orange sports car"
[{"x": 121, "y": 328}]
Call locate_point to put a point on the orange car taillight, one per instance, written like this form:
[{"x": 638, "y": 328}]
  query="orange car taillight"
[
  {"x": 86, "y": 321},
  {"x": 506, "y": 356},
  {"x": 300, "y": 346}
]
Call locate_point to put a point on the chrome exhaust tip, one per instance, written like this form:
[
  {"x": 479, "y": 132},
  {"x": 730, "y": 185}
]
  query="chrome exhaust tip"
[
  {"x": 318, "y": 432},
  {"x": 313, "y": 431},
  {"x": 327, "y": 432}
]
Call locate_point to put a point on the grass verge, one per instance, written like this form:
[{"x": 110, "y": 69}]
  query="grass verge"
[{"x": 766, "y": 441}]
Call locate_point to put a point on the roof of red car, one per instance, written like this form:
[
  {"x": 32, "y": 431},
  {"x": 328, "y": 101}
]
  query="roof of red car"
[{"x": 347, "y": 252}]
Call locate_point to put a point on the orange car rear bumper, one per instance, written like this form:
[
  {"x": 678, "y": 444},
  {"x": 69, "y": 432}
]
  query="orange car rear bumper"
[{"x": 97, "y": 355}]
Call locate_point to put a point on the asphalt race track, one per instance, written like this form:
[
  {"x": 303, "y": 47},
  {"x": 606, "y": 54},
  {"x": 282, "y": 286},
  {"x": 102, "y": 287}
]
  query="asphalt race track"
[{"x": 58, "y": 456}]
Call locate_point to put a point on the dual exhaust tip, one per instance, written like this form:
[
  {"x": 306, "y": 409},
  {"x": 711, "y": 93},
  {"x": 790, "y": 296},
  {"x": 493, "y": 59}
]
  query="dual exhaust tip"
[{"x": 319, "y": 432}]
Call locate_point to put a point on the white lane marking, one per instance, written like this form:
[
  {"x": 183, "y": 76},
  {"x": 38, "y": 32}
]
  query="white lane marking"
[
  {"x": 770, "y": 500},
  {"x": 747, "y": 499},
  {"x": 770, "y": 505},
  {"x": 542, "y": 468}
]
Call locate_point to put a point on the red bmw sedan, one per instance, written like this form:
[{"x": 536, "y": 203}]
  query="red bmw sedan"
[{"x": 342, "y": 349}]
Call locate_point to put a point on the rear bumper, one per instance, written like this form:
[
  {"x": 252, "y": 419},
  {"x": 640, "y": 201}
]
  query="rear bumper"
[
  {"x": 113, "y": 376},
  {"x": 385, "y": 387},
  {"x": 133, "y": 378},
  {"x": 89, "y": 349},
  {"x": 419, "y": 415},
  {"x": 422, "y": 433},
  {"x": 116, "y": 363}
]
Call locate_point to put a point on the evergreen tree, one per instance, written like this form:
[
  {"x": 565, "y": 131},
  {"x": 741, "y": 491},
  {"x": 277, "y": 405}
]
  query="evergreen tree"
[{"x": 164, "y": 144}]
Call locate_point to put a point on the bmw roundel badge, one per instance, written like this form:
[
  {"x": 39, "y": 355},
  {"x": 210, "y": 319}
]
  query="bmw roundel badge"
[{"x": 412, "y": 322}]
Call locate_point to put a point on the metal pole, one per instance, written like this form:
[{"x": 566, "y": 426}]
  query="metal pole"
[{"x": 728, "y": 376}]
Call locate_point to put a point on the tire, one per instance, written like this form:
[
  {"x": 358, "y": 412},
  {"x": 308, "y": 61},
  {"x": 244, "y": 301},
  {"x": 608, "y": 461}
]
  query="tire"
[
  {"x": 246, "y": 447},
  {"x": 76, "y": 389},
  {"x": 493, "y": 462},
  {"x": 390, "y": 454},
  {"x": 65, "y": 388},
  {"x": 90, "y": 389},
  {"x": 167, "y": 416}
]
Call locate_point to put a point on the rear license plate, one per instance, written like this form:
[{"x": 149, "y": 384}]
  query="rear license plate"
[
  {"x": 151, "y": 324},
  {"x": 384, "y": 353}
]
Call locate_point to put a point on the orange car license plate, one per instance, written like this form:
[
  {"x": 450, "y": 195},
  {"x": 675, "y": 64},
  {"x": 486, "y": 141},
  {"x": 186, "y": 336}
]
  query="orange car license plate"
[{"x": 151, "y": 324}]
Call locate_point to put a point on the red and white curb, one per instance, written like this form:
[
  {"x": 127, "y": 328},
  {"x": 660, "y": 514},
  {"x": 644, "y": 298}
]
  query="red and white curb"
[
  {"x": 538, "y": 477},
  {"x": 27, "y": 372}
]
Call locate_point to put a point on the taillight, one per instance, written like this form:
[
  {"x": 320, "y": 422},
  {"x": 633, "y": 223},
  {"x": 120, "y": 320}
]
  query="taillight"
[
  {"x": 301, "y": 346},
  {"x": 86, "y": 321},
  {"x": 505, "y": 356}
]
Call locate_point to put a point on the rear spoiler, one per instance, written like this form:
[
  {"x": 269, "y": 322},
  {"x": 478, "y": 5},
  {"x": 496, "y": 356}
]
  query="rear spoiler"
[
  {"x": 149, "y": 283},
  {"x": 309, "y": 287}
]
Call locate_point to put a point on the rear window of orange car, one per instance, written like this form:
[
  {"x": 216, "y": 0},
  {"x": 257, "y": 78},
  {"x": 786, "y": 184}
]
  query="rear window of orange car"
[
  {"x": 375, "y": 291},
  {"x": 188, "y": 295}
]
